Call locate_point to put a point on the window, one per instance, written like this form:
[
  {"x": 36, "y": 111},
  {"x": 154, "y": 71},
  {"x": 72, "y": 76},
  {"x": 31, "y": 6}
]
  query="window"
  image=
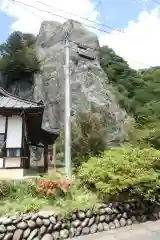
[{"x": 13, "y": 152}]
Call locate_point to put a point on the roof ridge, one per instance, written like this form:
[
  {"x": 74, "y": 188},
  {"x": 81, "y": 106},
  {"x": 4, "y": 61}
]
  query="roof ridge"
[{"x": 7, "y": 94}]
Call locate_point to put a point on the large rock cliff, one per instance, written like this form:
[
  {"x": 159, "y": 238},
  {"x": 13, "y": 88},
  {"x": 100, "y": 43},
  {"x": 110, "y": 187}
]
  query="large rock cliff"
[{"x": 89, "y": 83}]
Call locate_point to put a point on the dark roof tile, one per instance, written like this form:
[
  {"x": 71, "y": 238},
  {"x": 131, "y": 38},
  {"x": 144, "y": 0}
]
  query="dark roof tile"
[{"x": 9, "y": 101}]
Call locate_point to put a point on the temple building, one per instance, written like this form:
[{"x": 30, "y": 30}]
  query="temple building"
[{"x": 21, "y": 128}]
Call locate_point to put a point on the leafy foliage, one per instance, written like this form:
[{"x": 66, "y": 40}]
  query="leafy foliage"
[
  {"x": 18, "y": 58},
  {"x": 22, "y": 188},
  {"x": 4, "y": 189},
  {"x": 50, "y": 187},
  {"x": 136, "y": 91},
  {"x": 123, "y": 172},
  {"x": 88, "y": 136}
]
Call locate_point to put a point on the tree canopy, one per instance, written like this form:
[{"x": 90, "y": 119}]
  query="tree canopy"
[
  {"x": 136, "y": 91},
  {"x": 17, "y": 57}
]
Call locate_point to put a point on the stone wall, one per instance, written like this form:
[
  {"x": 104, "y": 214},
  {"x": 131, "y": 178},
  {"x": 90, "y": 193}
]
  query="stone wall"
[{"x": 46, "y": 226}]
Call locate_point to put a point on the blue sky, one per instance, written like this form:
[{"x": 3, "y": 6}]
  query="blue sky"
[
  {"x": 115, "y": 13},
  {"x": 5, "y": 26},
  {"x": 119, "y": 12}
]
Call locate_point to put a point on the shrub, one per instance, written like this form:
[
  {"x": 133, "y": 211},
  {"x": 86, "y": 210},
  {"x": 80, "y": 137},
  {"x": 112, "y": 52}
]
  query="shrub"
[
  {"x": 146, "y": 135},
  {"x": 47, "y": 187},
  {"x": 50, "y": 187},
  {"x": 123, "y": 172},
  {"x": 4, "y": 189},
  {"x": 22, "y": 188},
  {"x": 88, "y": 136}
]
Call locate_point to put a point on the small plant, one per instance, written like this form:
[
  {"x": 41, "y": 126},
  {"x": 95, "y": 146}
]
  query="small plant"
[
  {"x": 47, "y": 187},
  {"x": 50, "y": 187},
  {"x": 23, "y": 188},
  {"x": 65, "y": 184},
  {"x": 4, "y": 189}
]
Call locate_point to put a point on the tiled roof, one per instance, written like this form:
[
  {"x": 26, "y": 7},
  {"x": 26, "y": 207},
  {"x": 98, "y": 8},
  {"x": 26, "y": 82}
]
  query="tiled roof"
[{"x": 9, "y": 101}]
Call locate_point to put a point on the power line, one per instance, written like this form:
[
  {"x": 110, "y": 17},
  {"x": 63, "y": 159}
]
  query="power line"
[
  {"x": 136, "y": 1},
  {"x": 97, "y": 5},
  {"x": 143, "y": 3},
  {"x": 57, "y": 15},
  {"x": 155, "y": 1},
  {"x": 102, "y": 30},
  {"x": 86, "y": 19},
  {"x": 14, "y": 2},
  {"x": 35, "y": 15}
]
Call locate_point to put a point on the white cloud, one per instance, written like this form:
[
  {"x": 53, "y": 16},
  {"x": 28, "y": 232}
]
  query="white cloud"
[
  {"x": 140, "y": 41},
  {"x": 29, "y": 19}
]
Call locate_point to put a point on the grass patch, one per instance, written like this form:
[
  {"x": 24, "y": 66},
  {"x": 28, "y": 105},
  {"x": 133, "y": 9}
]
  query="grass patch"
[
  {"x": 21, "y": 197},
  {"x": 10, "y": 207},
  {"x": 78, "y": 198}
]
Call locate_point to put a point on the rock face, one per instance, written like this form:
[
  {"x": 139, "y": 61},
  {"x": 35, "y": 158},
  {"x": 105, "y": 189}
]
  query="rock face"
[
  {"x": 23, "y": 89},
  {"x": 89, "y": 83}
]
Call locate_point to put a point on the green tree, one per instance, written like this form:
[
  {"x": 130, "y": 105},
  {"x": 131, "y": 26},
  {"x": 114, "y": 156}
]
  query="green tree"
[
  {"x": 136, "y": 91},
  {"x": 123, "y": 172},
  {"x": 18, "y": 58}
]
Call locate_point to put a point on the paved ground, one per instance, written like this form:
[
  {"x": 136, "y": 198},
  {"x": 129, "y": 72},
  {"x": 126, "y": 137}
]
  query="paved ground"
[{"x": 143, "y": 231}]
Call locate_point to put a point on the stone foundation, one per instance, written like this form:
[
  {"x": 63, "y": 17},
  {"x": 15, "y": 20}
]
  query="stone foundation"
[{"x": 48, "y": 226}]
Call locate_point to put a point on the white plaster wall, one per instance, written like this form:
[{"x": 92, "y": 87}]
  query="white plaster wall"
[
  {"x": 12, "y": 162},
  {"x": 2, "y": 124},
  {"x": 1, "y": 162},
  {"x": 14, "y": 132}
]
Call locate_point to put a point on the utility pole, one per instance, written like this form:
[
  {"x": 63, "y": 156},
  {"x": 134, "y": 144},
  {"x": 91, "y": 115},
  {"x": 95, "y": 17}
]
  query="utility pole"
[{"x": 68, "y": 164}]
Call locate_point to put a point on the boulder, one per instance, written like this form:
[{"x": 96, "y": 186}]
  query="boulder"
[
  {"x": 89, "y": 84},
  {"x": 90, "y": 88}
]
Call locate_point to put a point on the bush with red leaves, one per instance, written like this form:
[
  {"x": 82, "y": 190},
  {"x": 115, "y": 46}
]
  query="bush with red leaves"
[{"x": 50, "y": 187}]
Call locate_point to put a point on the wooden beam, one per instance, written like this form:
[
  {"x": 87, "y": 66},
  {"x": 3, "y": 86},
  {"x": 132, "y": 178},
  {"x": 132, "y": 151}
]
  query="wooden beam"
[
  {"x": 5, "y": 140},
  {"x": 45, "y": 158},
  {"x": 54, "y": 155}
]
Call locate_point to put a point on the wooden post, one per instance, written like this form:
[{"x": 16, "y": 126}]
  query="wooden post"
[
  {"x": 45, "y": 157},
  {"x": 54, "y": 155}
]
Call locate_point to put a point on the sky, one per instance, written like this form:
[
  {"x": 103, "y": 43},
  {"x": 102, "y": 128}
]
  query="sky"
[{"x": 132, "y": 26}]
